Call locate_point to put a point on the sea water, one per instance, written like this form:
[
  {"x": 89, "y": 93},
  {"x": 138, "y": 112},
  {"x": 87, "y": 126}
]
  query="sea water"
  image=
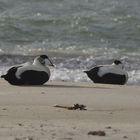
[{"x": 75, "y": 34}]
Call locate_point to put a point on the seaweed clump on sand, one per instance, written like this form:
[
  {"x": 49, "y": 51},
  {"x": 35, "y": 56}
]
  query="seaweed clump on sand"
[{"x": 73, "y": 107}]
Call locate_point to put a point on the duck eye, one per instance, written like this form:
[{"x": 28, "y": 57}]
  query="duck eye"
[
  {"x": 43, "y": 62},
  {"x": 117, "y": 62}
]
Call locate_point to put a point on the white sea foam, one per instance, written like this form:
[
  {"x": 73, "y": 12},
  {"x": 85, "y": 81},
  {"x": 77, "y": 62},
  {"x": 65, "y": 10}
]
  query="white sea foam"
[
  {"x": 69, "y": 75},
  {"x": 134, "y": 77}
]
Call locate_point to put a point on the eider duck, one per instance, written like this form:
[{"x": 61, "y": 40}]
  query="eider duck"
[
  {"x": 108, "y": 74},
  {"x": 29, "y": 74}
]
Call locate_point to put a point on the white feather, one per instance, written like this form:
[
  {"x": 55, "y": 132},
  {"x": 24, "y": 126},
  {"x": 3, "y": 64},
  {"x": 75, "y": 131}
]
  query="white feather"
[
  {"x": 115, "y": 69},
  {"x": 37, "y": 66}
]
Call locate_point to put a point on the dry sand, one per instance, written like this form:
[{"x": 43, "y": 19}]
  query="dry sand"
[{"x": 27, "y": 112}]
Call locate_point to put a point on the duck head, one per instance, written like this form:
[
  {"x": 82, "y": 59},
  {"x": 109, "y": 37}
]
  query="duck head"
[
  {"x": 41, "y": 60},
  {"x": 118, "y": 63}
]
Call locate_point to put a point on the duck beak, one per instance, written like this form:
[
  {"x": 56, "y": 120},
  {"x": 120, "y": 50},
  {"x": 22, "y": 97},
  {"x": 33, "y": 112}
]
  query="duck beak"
[{"x": 51, "y": 64}]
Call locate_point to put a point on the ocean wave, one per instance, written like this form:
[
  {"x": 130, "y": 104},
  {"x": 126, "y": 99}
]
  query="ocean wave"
[{"x": 70, "y": 68}]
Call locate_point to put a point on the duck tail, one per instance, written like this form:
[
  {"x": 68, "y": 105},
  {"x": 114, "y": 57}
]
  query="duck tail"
[
  {"x": 85, "y": 71},
  {"x": 3, "y": 76}
]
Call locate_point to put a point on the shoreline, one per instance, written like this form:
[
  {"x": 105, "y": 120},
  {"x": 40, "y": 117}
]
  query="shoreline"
[{"x": 28, "y": 111}]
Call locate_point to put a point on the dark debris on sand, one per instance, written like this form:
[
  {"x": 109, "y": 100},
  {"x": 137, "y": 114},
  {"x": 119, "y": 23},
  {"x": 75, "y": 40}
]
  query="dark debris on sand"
[
  {"x": 125, "y": 137},
  {"x": 97, "y": 133},
  {"x": 73, "y": 107},
  {"x": 108, "y": 127}
]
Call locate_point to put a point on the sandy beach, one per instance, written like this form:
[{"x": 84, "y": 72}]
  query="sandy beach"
[{"x": 28, "y": 112}]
